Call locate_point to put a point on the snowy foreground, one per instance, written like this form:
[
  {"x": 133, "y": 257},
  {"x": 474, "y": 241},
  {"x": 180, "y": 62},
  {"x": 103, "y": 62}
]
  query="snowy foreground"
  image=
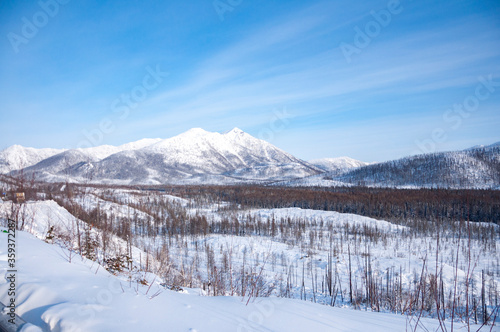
[
  {"x": 57, "y": 295},
  {"x": 290, "y": 259}
]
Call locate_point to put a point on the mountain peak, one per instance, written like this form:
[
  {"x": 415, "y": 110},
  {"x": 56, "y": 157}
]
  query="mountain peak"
[
  {"x": 235, "y": 130},
  {"x": 195, "y": 132}
]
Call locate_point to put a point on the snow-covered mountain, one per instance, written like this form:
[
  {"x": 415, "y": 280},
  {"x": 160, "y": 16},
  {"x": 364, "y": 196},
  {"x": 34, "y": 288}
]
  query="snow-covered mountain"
[
  {"x": 103, "y": 151},
  {"x": 476, "y": 167},
  {"x": 471, "y": 168},
  {"x": 337, "y": 165},
  {"x": 60, "y": 166},
  {"x": 201, "y": 157},
  {"x": 17, "y": 157},
  {"x": 196, "y": 156},
  {"x": 217, "y": 153}
]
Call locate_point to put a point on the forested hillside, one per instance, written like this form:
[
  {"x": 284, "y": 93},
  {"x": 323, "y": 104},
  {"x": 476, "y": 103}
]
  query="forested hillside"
[{"x": 474, "y": 168}]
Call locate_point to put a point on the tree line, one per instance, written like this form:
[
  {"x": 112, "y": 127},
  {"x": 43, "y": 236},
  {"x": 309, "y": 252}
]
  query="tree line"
[{"x": 385, "y": 203}]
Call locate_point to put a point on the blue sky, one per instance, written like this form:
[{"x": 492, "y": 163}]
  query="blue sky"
[{"x": 373, "y": 80}]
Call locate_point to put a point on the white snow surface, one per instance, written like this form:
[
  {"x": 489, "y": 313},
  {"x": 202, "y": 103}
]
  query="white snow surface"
[
  {"x": 82, "y": 296},
  {"x": 338, "y": 164},
  {"x": 104, "y": 151},
  {"x": 192, "y": 157},
  {"x": 17, "y": 157},
  {"x": 232, "y": 147},
  {"x": 58, "y": 295},
  {"x": 201, "y": 157}
]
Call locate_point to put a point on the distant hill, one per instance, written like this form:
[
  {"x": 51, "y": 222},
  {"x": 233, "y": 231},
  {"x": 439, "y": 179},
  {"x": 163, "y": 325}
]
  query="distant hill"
[
  {"x": 471, "y": 168},
  {"x": 338, "y": 165}
]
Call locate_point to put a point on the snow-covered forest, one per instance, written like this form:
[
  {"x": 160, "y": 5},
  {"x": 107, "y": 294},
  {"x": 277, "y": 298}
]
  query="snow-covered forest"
[{"x": 437, "y": 269}]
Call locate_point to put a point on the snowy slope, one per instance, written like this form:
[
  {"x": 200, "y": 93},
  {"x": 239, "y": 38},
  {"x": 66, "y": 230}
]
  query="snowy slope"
[
  {"x": 104, "y": 151},
  {"x": 17, "y": 157},
  {"x": 472, "y": 168},
  {"x": 215, "y": 153},
  {"x": 82, "y": 296},
  {"x": 339, "y": 164},
  {"x": 476, "y": 168},
  {"x": 59, "y": 167},
  {"x": 59, "y": 291},
  {"x": 333, "y": 167},
  {"x": 193, "y": 156}
]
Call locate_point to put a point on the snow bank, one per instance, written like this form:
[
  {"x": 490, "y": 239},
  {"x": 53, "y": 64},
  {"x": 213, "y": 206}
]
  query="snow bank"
[{"x": 82, "y": 296}]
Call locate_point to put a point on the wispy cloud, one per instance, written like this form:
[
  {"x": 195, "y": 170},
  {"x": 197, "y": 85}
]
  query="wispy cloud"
[
  {"x": 220, "y": 87},
  {"x": 414, "y": 69}
]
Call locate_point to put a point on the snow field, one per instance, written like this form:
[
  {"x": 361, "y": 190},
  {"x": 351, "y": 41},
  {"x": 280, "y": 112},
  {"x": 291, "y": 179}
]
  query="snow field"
[
  {"x": 245, "y": 266},
  {"x": 81, "y": 296}
]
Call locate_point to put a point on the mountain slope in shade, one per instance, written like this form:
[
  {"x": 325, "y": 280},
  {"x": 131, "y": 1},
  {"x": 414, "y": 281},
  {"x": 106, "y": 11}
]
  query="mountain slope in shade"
[
  {"x": 61, "y": 166},
  {"x": 17, "y": 157}
]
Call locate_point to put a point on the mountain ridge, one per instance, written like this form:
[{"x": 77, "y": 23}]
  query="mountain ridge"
[
  {"x": 477, "y": 168},
  {"x": 233, "y": 156},
  {"x": 338, "y": 164},
  {"x": 198, "y": 156}
]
